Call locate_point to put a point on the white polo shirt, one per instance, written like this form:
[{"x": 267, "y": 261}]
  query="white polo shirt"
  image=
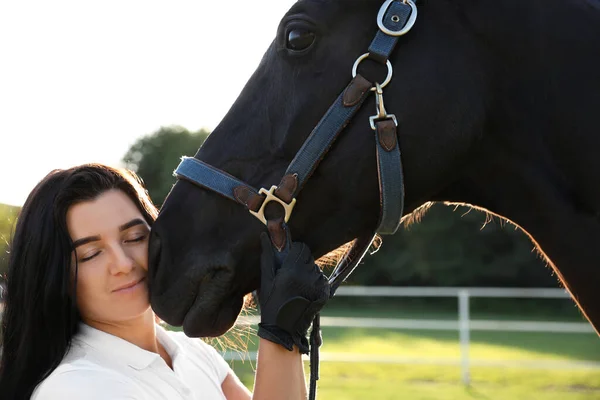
[{"x": 100, "y": 366}]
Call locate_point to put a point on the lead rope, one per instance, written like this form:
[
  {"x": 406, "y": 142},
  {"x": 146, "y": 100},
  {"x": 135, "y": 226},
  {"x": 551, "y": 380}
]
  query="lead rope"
[
  {"x": 360, "y": 247},
  {"x": 315, "y": 342}
]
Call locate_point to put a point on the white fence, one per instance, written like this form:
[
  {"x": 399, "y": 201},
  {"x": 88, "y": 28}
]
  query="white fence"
[{"x": 463, "y": 324}]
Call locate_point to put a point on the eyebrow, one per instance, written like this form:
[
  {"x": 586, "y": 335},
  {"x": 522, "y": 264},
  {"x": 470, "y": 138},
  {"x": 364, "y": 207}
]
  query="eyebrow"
[
  {"x": 133, "y": 222},
  {"x": 85, "y": 240},
  {"x": 125, "y": 226}
]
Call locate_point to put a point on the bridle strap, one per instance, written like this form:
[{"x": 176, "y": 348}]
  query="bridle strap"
[
  {"x": 202, "y": 174},
  {"x": 391, "y": 178},
  {"x": 395, "y": 18},
  {"x": 328, "y": 129}
]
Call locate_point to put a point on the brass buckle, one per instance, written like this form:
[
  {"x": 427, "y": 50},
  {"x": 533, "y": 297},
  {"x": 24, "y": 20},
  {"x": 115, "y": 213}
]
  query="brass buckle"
[{"x": 260, "y": 214}]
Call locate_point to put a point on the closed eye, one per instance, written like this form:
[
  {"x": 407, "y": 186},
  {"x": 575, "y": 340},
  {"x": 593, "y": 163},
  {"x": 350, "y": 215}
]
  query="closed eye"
[
  {"x": 137, "y": 239},
  {"x": 89, "y": 257}
]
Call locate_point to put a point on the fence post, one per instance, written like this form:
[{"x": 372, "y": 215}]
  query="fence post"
[{"x": 464, "y": 334}]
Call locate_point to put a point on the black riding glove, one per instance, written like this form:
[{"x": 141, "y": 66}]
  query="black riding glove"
[{"x": 290, "y": 295}]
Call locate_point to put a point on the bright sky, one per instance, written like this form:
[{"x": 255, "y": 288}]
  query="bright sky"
[{"x": 80, "y": 81}]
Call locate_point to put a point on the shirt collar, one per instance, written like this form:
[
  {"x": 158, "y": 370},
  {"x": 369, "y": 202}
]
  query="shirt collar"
[
  {"x": 170, "y": 345},
  {"x": 122, "y": 350}
]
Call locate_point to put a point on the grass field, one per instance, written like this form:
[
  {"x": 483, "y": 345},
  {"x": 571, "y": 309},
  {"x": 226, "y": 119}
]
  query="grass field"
[
  {"x": 437, "y": 375},
  {"x": 420, "y": 382},
  {"x": 442, "y": 345},
  {"x": 417, "y": 382}
]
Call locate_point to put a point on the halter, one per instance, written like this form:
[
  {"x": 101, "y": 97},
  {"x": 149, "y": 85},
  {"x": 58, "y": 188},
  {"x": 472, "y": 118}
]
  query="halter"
[{"x": 394, "y": 19}]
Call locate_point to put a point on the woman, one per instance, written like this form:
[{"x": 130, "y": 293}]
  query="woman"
[{"x": 78, "y": 323}]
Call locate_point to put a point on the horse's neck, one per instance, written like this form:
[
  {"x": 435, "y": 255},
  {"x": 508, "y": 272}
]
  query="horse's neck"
[
  {"x": 547, "y": 31},
  {"x": 546, "y": 58},
  {"x": 536, "y": 162},
  {"x": 535, "y": 158}
]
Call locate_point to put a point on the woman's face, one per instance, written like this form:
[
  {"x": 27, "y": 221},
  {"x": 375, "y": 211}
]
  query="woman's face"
[{"x": 110, "y": 237}]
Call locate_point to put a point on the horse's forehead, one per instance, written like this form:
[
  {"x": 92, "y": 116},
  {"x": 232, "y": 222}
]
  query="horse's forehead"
[{"x": 320, "y": 6}]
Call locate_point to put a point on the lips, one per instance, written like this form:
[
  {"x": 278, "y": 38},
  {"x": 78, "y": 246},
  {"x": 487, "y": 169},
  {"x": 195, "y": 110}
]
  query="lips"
[{"x": 128, "y": 285}]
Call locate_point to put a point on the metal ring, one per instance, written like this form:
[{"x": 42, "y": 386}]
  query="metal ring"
[
  {"x": 388, "y": 78},
  {"x": 409, "y": 23}
]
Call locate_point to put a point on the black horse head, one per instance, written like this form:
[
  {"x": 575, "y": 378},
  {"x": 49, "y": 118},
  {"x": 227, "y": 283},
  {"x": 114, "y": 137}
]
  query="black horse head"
[{"x": 485, "y": 110}]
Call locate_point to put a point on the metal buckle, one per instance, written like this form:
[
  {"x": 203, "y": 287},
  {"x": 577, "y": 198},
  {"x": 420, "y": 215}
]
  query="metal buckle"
[
  {"x": 270, "y": 196},
  {"x": 390, "y": 69},
  {"x": 409, "y": 24},
  {"x": 380, "y": 108}
]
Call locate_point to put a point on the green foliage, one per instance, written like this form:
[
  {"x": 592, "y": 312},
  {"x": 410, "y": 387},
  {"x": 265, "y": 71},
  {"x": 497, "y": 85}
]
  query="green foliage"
[
  {"x": 456, "y": 247},
  {"x": 8, "y": 215},
  {"x": 154, "y": 157}
]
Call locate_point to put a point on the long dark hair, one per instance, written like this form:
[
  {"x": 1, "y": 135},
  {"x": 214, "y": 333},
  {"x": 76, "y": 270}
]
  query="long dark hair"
[{"x": 40, "y": 315}]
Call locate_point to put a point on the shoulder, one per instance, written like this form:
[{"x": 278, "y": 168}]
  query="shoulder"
[
  {"x": 86, "y": 380},
  {"x": 189, "y": 343},
  {"x": 201, "y": 353}
]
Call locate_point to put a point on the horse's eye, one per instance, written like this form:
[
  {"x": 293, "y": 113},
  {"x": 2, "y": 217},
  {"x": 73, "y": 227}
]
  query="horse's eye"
[{"x": 300, "y": 39}]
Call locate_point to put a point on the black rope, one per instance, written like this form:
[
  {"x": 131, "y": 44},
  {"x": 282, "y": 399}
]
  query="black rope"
[{"x": 315, "y": 342}]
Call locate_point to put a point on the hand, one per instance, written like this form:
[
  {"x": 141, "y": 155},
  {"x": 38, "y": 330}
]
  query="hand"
[{"x": 290, "y": 295}]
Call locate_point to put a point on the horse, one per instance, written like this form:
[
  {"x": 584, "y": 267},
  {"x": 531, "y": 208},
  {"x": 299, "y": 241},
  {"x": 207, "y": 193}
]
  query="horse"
[{"x": 496, "y": 106}]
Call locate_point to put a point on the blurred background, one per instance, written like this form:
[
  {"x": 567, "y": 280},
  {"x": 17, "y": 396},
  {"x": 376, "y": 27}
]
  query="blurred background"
[{"x": 456, "y": 306}]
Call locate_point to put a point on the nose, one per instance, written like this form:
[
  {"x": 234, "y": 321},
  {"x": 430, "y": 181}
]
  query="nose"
[{"x": 122, "y": 262}]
